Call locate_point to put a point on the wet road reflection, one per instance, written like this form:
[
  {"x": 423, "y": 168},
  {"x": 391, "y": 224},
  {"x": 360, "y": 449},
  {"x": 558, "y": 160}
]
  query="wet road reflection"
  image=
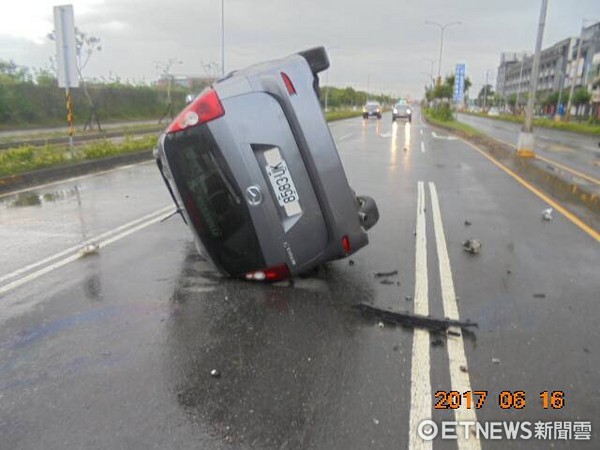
[{"x": 282, "y": 358}]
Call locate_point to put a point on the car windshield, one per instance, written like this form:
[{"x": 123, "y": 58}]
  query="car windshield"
[{"x": 213, "y": 202}]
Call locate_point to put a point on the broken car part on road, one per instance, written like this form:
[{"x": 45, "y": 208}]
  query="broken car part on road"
[{"x": 410, "y": 320}]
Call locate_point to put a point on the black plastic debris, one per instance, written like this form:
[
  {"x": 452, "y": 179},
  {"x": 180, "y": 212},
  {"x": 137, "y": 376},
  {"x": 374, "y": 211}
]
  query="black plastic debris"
[
  {"x": 411, "y": 320},
  {"x": 463, "y": 368},
  {"x": 468, "y": 223},
  {"x": 386, "y": 282},
  {"x": 472, "y": 246},
  {"x": 350, "y": 262},
  {"x": 539, "y": 295},
  {"x": 386, "y": 274},
  {"x": 437, "y": 342},
  {"x": 453, "y": 333},
  {"x": 408, "y": 298}
]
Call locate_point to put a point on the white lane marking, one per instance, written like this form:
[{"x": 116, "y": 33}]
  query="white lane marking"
[
  {"x": 387, "y": 134},
  {"x": 422, "y": 147},
  {"x": 421, "y": 131},
  {"x": 346, "y": 136},
  {"x": 32, "y": 276},
  {"x": 70, "y": 180},
  {"x": 456, "y": 351},
  {"x": 447, "y": 138},
  {"x": 78, "y": 247},
  {"x": 420, "y": 380}
]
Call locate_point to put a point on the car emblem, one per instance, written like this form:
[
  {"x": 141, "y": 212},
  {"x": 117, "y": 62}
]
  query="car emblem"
[{"x": 254, "y": 195}]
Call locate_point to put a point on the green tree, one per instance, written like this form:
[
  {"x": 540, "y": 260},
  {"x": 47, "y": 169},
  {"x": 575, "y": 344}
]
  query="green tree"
[
  {"x": 486, "y": 91},
  {"x": 581, "y": 97},
  {"x": 10, "y": 72}
]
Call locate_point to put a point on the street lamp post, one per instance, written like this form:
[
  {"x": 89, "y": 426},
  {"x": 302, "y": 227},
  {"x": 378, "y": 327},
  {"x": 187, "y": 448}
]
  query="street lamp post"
[
  {"x": 442, "y": 29},
  {"x": 432, "y": 61},
  {"x": 525, "y": 144}
]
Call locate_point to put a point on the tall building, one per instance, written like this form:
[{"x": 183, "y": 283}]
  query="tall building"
[{"x": 558, "y": 68}]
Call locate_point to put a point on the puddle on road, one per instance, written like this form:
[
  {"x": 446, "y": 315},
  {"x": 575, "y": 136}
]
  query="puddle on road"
[{"x": 25, "y": 199}]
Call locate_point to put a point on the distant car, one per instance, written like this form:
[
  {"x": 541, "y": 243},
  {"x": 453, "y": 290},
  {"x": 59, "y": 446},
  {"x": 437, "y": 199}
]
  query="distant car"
[
  {"x": 401, "y": 111},
  {"x": 253, "y": 170},
  {"x": 372, "y": 109}
]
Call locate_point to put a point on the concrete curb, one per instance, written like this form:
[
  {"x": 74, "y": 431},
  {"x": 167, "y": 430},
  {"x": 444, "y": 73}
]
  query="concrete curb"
[
  {"x": 30, "y": 179},
  {"x": 555, "y": 182}
]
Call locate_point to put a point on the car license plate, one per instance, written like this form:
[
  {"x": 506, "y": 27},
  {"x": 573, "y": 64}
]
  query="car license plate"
[{"x": 282, "y": 183}]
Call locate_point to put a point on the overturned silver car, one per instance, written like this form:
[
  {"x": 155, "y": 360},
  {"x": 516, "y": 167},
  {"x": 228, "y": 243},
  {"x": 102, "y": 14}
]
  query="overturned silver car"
[{"x": 255, "y": 173}]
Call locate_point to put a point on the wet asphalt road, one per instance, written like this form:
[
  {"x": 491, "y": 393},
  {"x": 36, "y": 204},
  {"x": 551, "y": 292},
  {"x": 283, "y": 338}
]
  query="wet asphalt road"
[
  {"x": 577, "y": 151},
  {"x": 114, "y": 350}
]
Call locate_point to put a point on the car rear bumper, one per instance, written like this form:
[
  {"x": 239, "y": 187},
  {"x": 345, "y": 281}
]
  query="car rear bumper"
[{"x": 264, "y": 119}]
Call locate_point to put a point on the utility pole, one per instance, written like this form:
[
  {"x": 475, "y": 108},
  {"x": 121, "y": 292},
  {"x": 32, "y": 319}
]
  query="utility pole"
[
  {"x": 574, "y": 70},
  {"x": 326, "y": 90},
  {"x": 560, "y": 90},
  {"x": 485, "y": 86},
  {"x": 525, "y": 145},
  {"x": 520, "y": 82}
]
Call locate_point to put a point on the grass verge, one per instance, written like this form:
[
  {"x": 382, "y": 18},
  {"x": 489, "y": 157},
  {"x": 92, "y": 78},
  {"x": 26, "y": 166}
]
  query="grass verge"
[
  {"x": 28, "y": 158},
  {"x": 574, "y": 127},
  {"x": 461, "y": 128},
  {"x": 332, "y": 116}
]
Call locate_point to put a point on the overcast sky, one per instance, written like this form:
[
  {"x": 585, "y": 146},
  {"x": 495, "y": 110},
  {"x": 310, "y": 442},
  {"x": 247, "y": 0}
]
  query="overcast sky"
[{"x": 377, "y": 43}]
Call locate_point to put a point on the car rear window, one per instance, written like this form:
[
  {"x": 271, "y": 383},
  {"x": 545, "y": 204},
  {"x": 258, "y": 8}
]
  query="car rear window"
[{"x": 213, "y": 201}]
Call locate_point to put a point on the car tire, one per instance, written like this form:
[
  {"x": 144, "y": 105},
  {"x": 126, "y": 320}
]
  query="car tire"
[
  {"x": 317, "y": 59},
  {"x": 365, "y": 116},
  {"x": 367, "y": 211}
]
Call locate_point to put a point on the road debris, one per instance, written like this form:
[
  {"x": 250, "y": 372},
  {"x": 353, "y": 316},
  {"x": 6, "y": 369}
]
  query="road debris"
[
  {"x": 380, "y": 325},
  {"x": 437, "y": 342},
  {"x": 463, "y": 368},
  {"x": 453, "y": 333},
  {"x": 539, "y": 295},
  {"x": 547, "y": 214},
  {"x": 472, "y": 246},
  {"x": 89, "y": 249},
  {"x": 350, "y": 262},
  {"x": 386, "y": 274},
  {"x": 408, "y": 298},
  {"x": 468, "y": 223},
  {"x": 215, "y": 373},
  {"x": 411, "y": 320},
  {"x": 386, "y": 282},
  {"x": 495, "y": 361}
]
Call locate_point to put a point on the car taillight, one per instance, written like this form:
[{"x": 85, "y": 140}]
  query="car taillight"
[
  {"x": 346, "y": 245},
  {"x": 288, "y": 84},
  {"x": 205, "y": 108},
  {"x": 275, "y": 273}
]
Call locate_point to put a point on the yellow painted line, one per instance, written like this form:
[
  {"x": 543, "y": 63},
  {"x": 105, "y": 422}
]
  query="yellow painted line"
[
  {"x": 557, "y": 206},
  {"x": 550, "y": 161},
  {"x": 568, "y": 169}
]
